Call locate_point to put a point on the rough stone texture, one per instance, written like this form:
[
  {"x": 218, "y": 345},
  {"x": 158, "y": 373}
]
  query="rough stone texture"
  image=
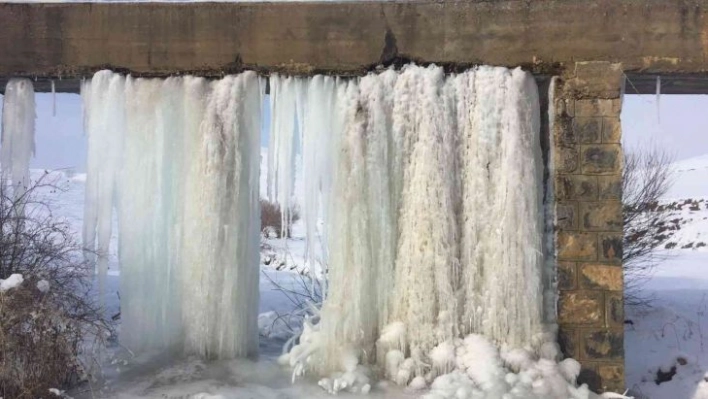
[
  {"x": 601, "y": 216},
  {"x": 610, "y": 245},
  {"x": 600, "y": 159},
  {"x": 73, "y": 40},
  {"x": 615, "y": 309},
  {"x": 576, "y": 246},
  {"x": 576, "y": 187},
  {"x": 611, "y": 130},
  {"x": 610, "y": 187},
  {"x": 567, "y": 215},
  {"x": 588, "y": 129},
  {"x": 600, "y": 277},
  {"x": 567, "y": 279},
  {"x": 581, "y": 308},
  {"x": 602, "y": 344},
  {"x": 568, "y": 340},
  {"x": 611, "y": 374},
  {"x": 587, "y": 184}
]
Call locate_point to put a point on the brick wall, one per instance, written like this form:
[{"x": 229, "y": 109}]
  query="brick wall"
[{"x": 587, "y": 158}]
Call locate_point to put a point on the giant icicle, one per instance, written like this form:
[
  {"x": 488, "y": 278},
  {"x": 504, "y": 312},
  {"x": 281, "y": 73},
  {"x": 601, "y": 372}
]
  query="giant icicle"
[
  {"x": 179, "y": 160},
  {"x": 17, "y": 147},
  {"x": 104, "y": 120},
  {"x": 433, "y": 224}
]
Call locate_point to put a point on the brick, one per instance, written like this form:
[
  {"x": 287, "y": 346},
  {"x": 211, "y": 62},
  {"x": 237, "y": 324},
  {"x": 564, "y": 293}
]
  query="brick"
[
  {"x": 600, "y": 158},
  {"x": 565, "y": 105},
  {"x": 610, "y": 187},
  {"x": 576, "y": 246},
  {"x": 614, "y": 309},
  {"x": 576, "y": 187},
  {"x": 598, "y": 79},
  {"x": 568, "y": 341},
  {"x": 611, "y": 130},
  {"x": 566, "y": 159},
  {"x": 567, "y": 215},
  {"x": 598, "y": 107},
  {"x": 602, "y": 344},
  {"x": 564, "y": 133},
  {"x": 588, "y": 375},
  {"x": 588, "y": 129},
  {"x": 581, "y": 308},
  {"x": 611, "y": 377},
  {"x": 600, "y": 277},
  {"x": 610, "y": 245},
  {"x": 601, "y": 216},
  {"x": 567, "y": 276}
]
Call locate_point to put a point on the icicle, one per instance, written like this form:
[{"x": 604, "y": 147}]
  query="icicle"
[
  {"x": 18, "y": 121},
  {"x": 658, "y": 99},
  {"x": 181, "y": 159},
  {"x": 54, "y": 99},
  {"x": 221, "y": 290},
  {"x": 282, "y": 150},
  {"x": 550, "y": 281}
]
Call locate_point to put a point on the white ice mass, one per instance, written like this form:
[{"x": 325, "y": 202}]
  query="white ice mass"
[
  {"x": 433, "y": 229},
  {"x": 18, "y": 120},
  {"x": 188, "y": 246}
]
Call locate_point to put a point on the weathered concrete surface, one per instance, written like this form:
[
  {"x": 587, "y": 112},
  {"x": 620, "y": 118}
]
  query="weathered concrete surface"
[{"x": 74, "y": 40}]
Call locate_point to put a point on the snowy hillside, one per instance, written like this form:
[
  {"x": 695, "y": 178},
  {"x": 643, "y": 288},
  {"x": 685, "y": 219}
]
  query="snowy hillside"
[{"x": 666, "y": 345}]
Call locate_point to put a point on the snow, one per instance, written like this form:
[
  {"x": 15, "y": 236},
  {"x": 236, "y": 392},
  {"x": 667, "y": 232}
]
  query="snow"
[
  {"x": 43, "y": 286},
  {"x": 14, "y": 281},
  {"x": 670, "y": 335}
]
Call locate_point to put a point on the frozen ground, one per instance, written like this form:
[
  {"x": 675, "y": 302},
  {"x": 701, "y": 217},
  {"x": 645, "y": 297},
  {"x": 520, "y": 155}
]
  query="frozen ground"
[{"x": 666, "y": 345}]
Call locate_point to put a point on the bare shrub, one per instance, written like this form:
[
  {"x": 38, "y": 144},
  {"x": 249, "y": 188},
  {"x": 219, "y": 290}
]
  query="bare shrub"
[
  {"x": 646, "y": 178},
  {"x": 50, "y": 324},
  {"x": 272, "y": 219}
]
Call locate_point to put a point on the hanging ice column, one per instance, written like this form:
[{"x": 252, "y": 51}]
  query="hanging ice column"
[
  {"x": 17, "y": 147},
  {"x": 222, "y": 224},
  {"x": 434, "y": 222},
  {"x": 181, "y": 165},
  {"x": 104, "y": 121}
]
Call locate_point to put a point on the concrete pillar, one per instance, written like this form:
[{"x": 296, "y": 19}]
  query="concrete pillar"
[{"x": 587, "y": 158}]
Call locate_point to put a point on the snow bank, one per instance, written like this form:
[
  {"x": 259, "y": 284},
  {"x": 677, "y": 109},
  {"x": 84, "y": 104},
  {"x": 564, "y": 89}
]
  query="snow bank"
[{"x": 11, "y": 282}]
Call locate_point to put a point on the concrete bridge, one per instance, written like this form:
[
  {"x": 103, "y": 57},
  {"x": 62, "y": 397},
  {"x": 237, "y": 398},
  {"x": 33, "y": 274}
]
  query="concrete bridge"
[{"x": 592, "y": 46}]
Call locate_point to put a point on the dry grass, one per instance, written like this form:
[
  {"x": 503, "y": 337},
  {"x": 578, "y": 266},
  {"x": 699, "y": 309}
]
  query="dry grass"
[
  {"x": 272, "y": 220},
  {"x": 47, "y": 339}
]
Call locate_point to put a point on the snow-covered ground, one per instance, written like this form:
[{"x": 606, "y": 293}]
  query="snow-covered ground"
[{"x": 666, "y": 345}]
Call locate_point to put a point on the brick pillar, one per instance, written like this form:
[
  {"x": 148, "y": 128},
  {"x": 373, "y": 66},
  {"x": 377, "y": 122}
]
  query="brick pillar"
[{"x": 587, "y": 165}]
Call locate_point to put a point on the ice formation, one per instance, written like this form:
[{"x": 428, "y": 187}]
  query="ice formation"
[
  {"x": 179, "y": 161},
  {"x": 429, "y": 191},
  {"x": 17, "y": 147}
]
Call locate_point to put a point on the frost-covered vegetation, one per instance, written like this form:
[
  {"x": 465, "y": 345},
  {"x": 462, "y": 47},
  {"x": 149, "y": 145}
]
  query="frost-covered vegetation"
[{"x": 51, "y": 329}]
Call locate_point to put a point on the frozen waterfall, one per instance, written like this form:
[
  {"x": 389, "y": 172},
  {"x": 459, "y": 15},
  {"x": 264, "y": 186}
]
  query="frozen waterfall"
[
  {"x": 18, "y": 117},
  {"x": 178, "y": 160},
  {"x": 423, "y": 190},
  {"x": 429, "y": 187}
]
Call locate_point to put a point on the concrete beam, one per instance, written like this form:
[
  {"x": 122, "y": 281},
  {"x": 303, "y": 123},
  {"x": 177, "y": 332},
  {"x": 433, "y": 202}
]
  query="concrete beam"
[{"x": 210, "y": 39}]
